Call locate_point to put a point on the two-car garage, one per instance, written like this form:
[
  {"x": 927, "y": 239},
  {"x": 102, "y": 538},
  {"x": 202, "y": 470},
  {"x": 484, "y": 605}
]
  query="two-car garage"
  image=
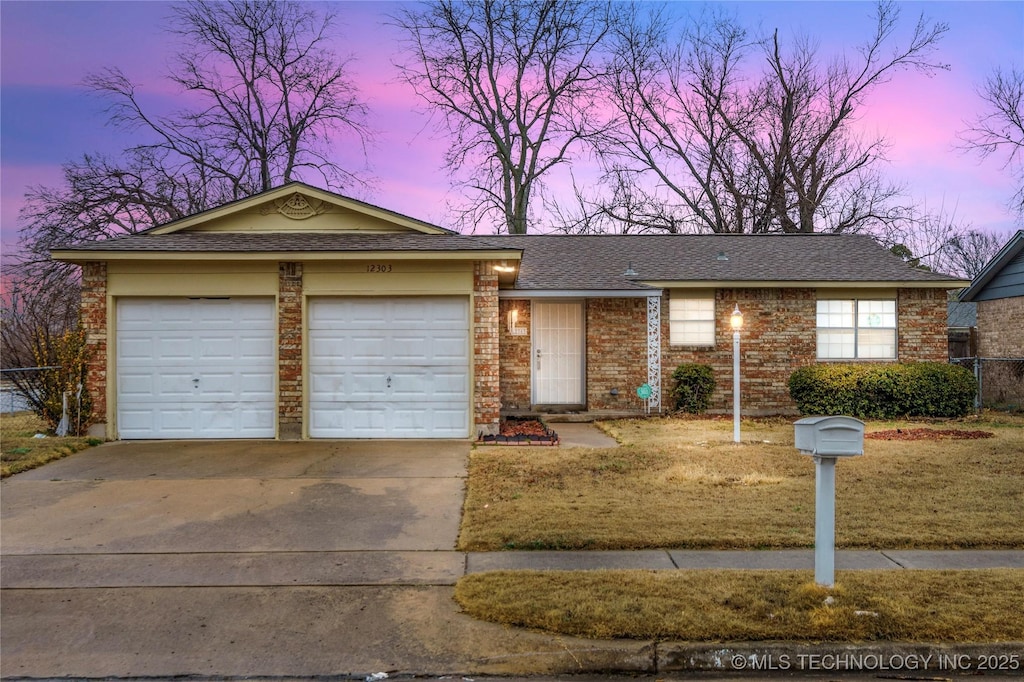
[{"x": 377, "y": 367}]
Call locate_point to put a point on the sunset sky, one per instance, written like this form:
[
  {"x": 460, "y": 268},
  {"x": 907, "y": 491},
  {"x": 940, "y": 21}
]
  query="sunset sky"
[{"x": 47, "y": 117}]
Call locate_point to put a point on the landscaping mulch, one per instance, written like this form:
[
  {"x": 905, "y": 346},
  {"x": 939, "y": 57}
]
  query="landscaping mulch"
[
  {"x": 522, "y": 432},
  {"x": 929, "y": 434}
]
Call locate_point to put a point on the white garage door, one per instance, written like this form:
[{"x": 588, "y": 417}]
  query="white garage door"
[
  {"x": 195, "y": 368},
  {"x": 389, "y": 368}
]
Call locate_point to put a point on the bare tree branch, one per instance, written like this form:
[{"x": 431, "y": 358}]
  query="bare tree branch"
[
  {"x": 998, "y": 131},
  {"x": 269, "y": 101},
  {"x": 512, "y": 82},
  {"x": 749, "y": 150}
]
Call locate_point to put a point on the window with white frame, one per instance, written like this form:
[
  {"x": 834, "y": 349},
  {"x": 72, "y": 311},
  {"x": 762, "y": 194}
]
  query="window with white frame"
[
  {"x": 857, "y": 329},
  {"x": 691, "y": 319}
]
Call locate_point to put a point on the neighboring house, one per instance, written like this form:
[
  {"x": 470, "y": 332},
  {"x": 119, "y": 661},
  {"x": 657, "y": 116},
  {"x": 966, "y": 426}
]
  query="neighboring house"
[
  {"x": 998, "y": 291},
  {"x": 299, "y": 313},
  {"x": 962, "y": 327}
]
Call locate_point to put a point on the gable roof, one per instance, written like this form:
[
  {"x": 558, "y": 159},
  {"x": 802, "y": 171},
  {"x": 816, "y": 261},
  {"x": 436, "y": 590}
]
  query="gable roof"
[
  {"x": 1003, "y": 276},
  {"x": 587, "y": 262},
  {"x": 297, "y": 221},
  {"x": 280, "y": 196}
]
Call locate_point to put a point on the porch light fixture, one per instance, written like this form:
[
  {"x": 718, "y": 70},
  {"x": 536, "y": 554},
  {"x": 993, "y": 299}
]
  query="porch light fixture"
[
  {"x": 630, "y": 272},
  {"x": 736, "y": 321},
  {"x": 504, "y": 267},
  {"x": 513, "y": 323}
]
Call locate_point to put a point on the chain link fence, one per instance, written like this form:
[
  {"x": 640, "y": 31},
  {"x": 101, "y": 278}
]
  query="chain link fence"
[
  {"x": 14, "y": 382},
  {"x": 1000, "y": 382}
]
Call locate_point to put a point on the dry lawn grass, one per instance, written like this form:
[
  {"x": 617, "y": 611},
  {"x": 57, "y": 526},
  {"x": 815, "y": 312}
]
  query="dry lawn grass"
[
  {"x": 932, "y": 606},
  {"x": 20, "y": 451},
  {"x": 683, "y": 483}
]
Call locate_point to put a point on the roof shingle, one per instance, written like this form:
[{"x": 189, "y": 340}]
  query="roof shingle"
[{"x": 585, "y": 262}]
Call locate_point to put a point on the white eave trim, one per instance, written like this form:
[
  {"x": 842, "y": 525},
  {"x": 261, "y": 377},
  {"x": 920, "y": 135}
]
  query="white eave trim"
[{"x": 578, "y": 293}]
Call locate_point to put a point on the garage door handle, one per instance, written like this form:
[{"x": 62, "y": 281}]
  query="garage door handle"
[{"x": 389, "y": 382}]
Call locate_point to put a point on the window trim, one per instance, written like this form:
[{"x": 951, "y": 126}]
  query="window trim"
[
  {"x": 857, "y": 328},
  {"x": 680, "y": 295}
]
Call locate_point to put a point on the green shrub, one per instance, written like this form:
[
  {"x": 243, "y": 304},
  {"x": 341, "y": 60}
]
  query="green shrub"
[
  {"x": 693, "y": 387},
  {"x": 871, "y": 391}
]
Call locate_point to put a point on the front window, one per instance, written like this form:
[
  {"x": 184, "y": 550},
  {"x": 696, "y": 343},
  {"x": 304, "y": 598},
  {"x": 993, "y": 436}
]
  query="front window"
[
  {"x": 691, "y": 321},
  {"x": 857, "y": 330}
]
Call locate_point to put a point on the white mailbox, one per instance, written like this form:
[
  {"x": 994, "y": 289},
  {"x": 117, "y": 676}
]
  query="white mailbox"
[{"x": 829, "y": 436}]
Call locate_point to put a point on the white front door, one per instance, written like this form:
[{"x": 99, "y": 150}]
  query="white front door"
[
  {"x": 557, "y": 353},
  {"x": 196, "y": 368},
  {"x": 389, "y": 367}
]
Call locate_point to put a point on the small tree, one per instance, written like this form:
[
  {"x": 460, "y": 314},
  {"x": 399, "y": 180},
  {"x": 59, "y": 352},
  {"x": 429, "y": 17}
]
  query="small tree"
[{"x": 65, "y": 358}]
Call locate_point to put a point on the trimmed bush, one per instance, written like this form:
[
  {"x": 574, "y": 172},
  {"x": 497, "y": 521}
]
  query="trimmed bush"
[
  {"x": 693, "y": 387},
  {"x": 870, "y": 391}
]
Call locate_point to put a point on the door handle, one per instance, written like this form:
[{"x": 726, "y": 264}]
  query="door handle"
[{"x": 389, "y": 381}]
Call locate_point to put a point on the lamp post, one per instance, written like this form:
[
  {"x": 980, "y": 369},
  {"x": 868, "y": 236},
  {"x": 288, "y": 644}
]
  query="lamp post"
[{"x": 736, "y": 320}]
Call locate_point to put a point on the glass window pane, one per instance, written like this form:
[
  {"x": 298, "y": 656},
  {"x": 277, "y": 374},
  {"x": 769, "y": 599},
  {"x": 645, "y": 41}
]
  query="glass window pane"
[
  {"x": 835, "y": 344},
  {"x": 876, "y": 343},
  {"x": 692, "y": 321},
  {"x": 835, "y": 314},
  {"x": 875, "y": 314},
  {"x": 698, "y": 334}
]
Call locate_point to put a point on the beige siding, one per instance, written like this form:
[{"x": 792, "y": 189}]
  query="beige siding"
[
  {"x": 267, "y": 219},
  {"x": 185, "y": 278},
  {"x": 387, "y": 278}
]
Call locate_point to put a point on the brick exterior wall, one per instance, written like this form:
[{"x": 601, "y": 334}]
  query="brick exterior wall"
[
  {"x": 486, "y": 382},
  {"x": 922, "y": 318},
  {"x": 999, "y": 328},
  {"x": 777, "y": 338},
  {"x": 289, "y": 354},
  {"x": 94, "y": 321},
  {"x": 515, "y": 370},
  {"x": 616, "y": 352}
]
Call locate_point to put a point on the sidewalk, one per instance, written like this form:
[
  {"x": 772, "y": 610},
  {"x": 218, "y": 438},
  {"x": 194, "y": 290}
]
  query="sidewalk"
[
  {"x": 788, "y": 559},
  {"x": 345, "y": 615}
]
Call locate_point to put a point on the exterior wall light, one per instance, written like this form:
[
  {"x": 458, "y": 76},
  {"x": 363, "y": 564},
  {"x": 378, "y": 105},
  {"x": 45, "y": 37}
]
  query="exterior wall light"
[{"x": 513, "y": 323}]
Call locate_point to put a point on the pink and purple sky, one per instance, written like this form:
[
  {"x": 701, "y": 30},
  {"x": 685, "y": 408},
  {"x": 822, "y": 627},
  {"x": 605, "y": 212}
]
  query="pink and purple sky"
[{"x": 47, "y": 117}]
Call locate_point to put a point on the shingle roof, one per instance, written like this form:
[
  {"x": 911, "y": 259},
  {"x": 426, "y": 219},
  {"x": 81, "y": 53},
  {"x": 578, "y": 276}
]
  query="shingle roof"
[
  {"x": 257, "y": 242},
  {"x": 571, "y": 262},
  {"x": 585, "y": 262}
]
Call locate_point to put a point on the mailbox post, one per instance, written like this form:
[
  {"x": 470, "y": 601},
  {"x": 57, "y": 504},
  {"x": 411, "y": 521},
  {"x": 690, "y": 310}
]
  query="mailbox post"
[{"x": 826, "y": 439}]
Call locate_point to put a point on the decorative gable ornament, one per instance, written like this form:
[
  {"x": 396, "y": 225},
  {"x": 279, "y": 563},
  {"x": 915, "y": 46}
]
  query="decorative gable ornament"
[{"x": 299, "y": 207}]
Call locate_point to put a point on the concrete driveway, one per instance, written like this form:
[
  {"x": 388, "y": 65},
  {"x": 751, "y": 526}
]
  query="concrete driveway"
[
  {"x": 214, "y": 560},
  {"x": 237, "y": 513}
]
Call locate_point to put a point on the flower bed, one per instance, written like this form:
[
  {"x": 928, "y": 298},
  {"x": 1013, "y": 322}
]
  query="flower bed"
[{"x": 522, "y": 432}]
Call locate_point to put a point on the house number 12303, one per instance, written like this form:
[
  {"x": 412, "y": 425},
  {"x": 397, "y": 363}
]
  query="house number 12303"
[{"x": 378, "y": 267}]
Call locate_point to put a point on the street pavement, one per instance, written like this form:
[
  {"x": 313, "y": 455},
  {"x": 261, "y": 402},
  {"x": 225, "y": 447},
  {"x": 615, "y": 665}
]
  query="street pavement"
[{"x": 330, "y": 560}]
